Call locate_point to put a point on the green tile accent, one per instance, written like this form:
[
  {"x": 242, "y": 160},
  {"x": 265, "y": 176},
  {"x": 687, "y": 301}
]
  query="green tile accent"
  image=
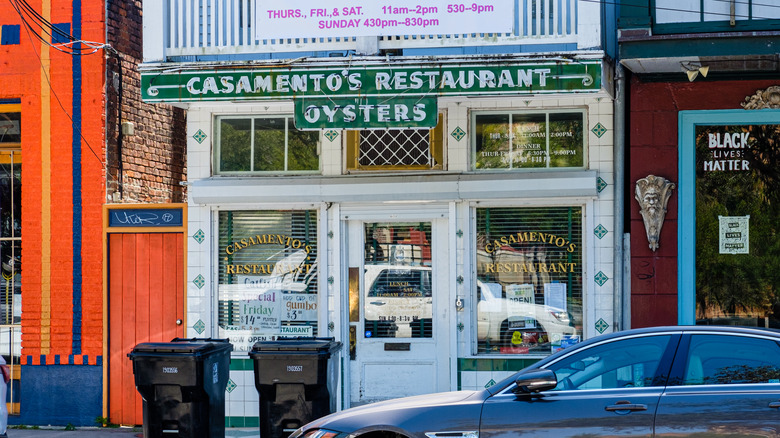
[
  {"x": 601, "y": 278},
  {"x": 242, "y": 364},
  {"x": 600, "y": 231},
  {"x": 199, "y": 327},
  {"x": 493, "y": 364},
  {"x": 599, "y": 130},
  {"x": 601, "y": 325},
  {"x": 199, "y": 281},
  {"x": 331, "y": 134},
  {"x": 199, "y": 236},
  {"x": 231, "y": 385},
  {"x": 601, "y": 184},
  {"x": 458, "y": 133},
  {"x": 200, "y": 136}
]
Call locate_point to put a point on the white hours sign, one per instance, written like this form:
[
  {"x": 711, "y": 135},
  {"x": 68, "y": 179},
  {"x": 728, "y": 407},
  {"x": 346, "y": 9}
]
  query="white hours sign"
[{"x": 352, "y": 18}]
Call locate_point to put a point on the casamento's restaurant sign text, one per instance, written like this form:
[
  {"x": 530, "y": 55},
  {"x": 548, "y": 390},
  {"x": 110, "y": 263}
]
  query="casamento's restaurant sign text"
[{"x": 370, "y": 81}]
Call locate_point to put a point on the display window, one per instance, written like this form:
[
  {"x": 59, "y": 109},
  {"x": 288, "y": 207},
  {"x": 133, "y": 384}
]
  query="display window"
[
  {"x": 737, "y": 223},
  {"x": 267, "y": 276},
  {"x": 529, "y": 279}
]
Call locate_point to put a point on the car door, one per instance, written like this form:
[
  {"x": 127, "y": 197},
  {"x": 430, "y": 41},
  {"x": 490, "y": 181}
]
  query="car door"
[
  {"x": 726, "y": 385},
  {"x": 608, "y": 389}
]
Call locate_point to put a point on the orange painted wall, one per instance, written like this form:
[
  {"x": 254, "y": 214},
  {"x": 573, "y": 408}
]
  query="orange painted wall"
[{"x": 62, "y": 314}]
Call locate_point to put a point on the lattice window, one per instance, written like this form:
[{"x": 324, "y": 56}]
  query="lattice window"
[{"x": 405, "y": 149}]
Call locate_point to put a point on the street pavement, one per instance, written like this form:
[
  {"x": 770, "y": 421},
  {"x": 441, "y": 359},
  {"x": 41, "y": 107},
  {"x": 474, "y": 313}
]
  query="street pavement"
[{"x": 108, "y": 432}]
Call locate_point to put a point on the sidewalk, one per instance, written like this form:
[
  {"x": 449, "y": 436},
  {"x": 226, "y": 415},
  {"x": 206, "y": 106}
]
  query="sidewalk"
[{"x": 104, "y": 432}]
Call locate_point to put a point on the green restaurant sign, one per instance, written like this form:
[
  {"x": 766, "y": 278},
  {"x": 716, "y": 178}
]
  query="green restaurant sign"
[
  {"x": 429, "y": 80},
  {"x": 366, "y": 113}
]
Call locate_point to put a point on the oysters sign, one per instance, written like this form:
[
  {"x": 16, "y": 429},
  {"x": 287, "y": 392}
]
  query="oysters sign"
[{"x": 352, "y": 18}]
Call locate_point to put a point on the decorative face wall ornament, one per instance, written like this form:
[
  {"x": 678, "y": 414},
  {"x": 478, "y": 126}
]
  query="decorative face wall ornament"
[{"x": 653, "y": 193}]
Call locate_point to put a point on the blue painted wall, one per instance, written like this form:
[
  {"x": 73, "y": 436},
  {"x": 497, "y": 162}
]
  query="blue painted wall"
[{"x": 73, "y": 395}]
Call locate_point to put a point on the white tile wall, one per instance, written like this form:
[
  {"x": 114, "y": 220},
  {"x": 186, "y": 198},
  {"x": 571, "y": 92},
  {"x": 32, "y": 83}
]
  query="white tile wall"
[{"x": 243, "y": 400}]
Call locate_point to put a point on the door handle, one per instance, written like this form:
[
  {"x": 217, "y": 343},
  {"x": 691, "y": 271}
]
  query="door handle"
[
  {"x": 625, "y": 405},
  {"x": 775, "y": 405},
  {"x": 179, "y": 321}
]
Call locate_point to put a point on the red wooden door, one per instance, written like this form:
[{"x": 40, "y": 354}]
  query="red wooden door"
[{"x": 146, "y": 299}]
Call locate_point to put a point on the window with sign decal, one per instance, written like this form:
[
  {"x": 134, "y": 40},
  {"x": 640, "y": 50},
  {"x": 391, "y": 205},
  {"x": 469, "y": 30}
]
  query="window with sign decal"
[
  {"x": 528, "y": 140},
  {"x": 267, "y": 276},
  {"x": 529, "y": 279}
]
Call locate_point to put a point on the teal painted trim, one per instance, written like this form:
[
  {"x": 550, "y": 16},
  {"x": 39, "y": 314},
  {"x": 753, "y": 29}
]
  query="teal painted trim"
[
  {"x": 686, "y": 230},
  {"x": 704, "y": 45},
  {"x": 634, "y": 14},
  {"x": 716, "y": 27}
]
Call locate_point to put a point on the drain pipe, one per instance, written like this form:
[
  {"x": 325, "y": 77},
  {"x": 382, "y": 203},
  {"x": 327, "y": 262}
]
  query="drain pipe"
[{"x": 622, "y": 296}]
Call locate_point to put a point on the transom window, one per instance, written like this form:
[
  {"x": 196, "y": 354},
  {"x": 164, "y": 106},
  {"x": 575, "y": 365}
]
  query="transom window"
[{"x": 268, "y": 144}]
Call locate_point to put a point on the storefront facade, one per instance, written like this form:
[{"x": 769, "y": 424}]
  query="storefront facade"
[
  {"x": 702, "y": 113},
  {"x": 442, "y": 257},
  {"x": 443, "y": 205}
]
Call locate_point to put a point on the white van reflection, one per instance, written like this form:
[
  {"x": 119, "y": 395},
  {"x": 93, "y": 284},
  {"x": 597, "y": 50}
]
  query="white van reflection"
[
  {"x": 511, "y": 323},
  {"x": 399, "y": 301}
]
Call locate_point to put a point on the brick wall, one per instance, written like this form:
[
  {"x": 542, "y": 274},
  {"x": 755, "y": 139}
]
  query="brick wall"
[
  {"x": 150, "y": 165},
  {"x": 653, "y": 149}
]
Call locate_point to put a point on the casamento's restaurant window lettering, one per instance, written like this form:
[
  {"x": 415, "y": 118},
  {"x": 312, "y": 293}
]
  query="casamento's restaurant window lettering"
[
  {"x": 529, "y": 279},
  {"x": 267, "y": 276},
  {"x": 737, "y": 225}
]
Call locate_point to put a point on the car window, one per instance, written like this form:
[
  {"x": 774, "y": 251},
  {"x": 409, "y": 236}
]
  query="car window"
[
  {"x": 625, "y": 363},
  {"x": 726, "y": 359}
]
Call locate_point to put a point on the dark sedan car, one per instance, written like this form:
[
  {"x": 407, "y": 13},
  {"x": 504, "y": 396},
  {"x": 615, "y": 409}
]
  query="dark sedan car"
[{"x": 663, "y": 382}]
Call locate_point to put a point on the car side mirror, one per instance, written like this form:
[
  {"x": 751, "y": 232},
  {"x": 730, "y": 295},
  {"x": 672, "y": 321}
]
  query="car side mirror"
[{"x": 536, "y": 381}]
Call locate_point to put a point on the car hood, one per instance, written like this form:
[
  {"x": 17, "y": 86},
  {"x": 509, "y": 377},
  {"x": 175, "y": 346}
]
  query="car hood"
[{"x": 454, "y": 411}]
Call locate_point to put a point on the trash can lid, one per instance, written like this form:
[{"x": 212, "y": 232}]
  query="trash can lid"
[
  {"x": 297, "y": 344},
  {"x": 192, "y": 347}
]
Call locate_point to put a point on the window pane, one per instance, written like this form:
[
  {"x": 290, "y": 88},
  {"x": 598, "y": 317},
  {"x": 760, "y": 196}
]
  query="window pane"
[
  {"x": 267, "y": 275},
  {"x": 394, "y": 147},
  {"x": 399, "y": 293},
  {"x": 269, "y": 144},
  {"x": 529, "y": 140},
  {"x": 11, "y": 286},
  {"x": 627, "y": 363},
  {"x": 731, "y": 360},
  {"x": 529, "y": 279},
  {"x": 492, "y": 141},
  {"x": 566, "y": 140},
  {"x": 10, "y": 127},
  {"x": 302, "y": 150},
  {"x": 10, "y": 194},
  {"x": 235, "y": 145},
  {"x": 737, "y": 224}
]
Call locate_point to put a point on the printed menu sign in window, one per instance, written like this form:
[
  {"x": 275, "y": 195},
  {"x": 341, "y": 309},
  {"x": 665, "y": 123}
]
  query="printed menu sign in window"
[
  {"x": 734, "y": 234},
  {"x": 267, "y": 276},
  {"x": 528, "y": 140}
]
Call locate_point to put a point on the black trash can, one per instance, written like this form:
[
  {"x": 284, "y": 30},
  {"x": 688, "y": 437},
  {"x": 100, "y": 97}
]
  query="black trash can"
[
  {"x": 294, "y": 378},
  {"x": 183, "y": 383}
]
